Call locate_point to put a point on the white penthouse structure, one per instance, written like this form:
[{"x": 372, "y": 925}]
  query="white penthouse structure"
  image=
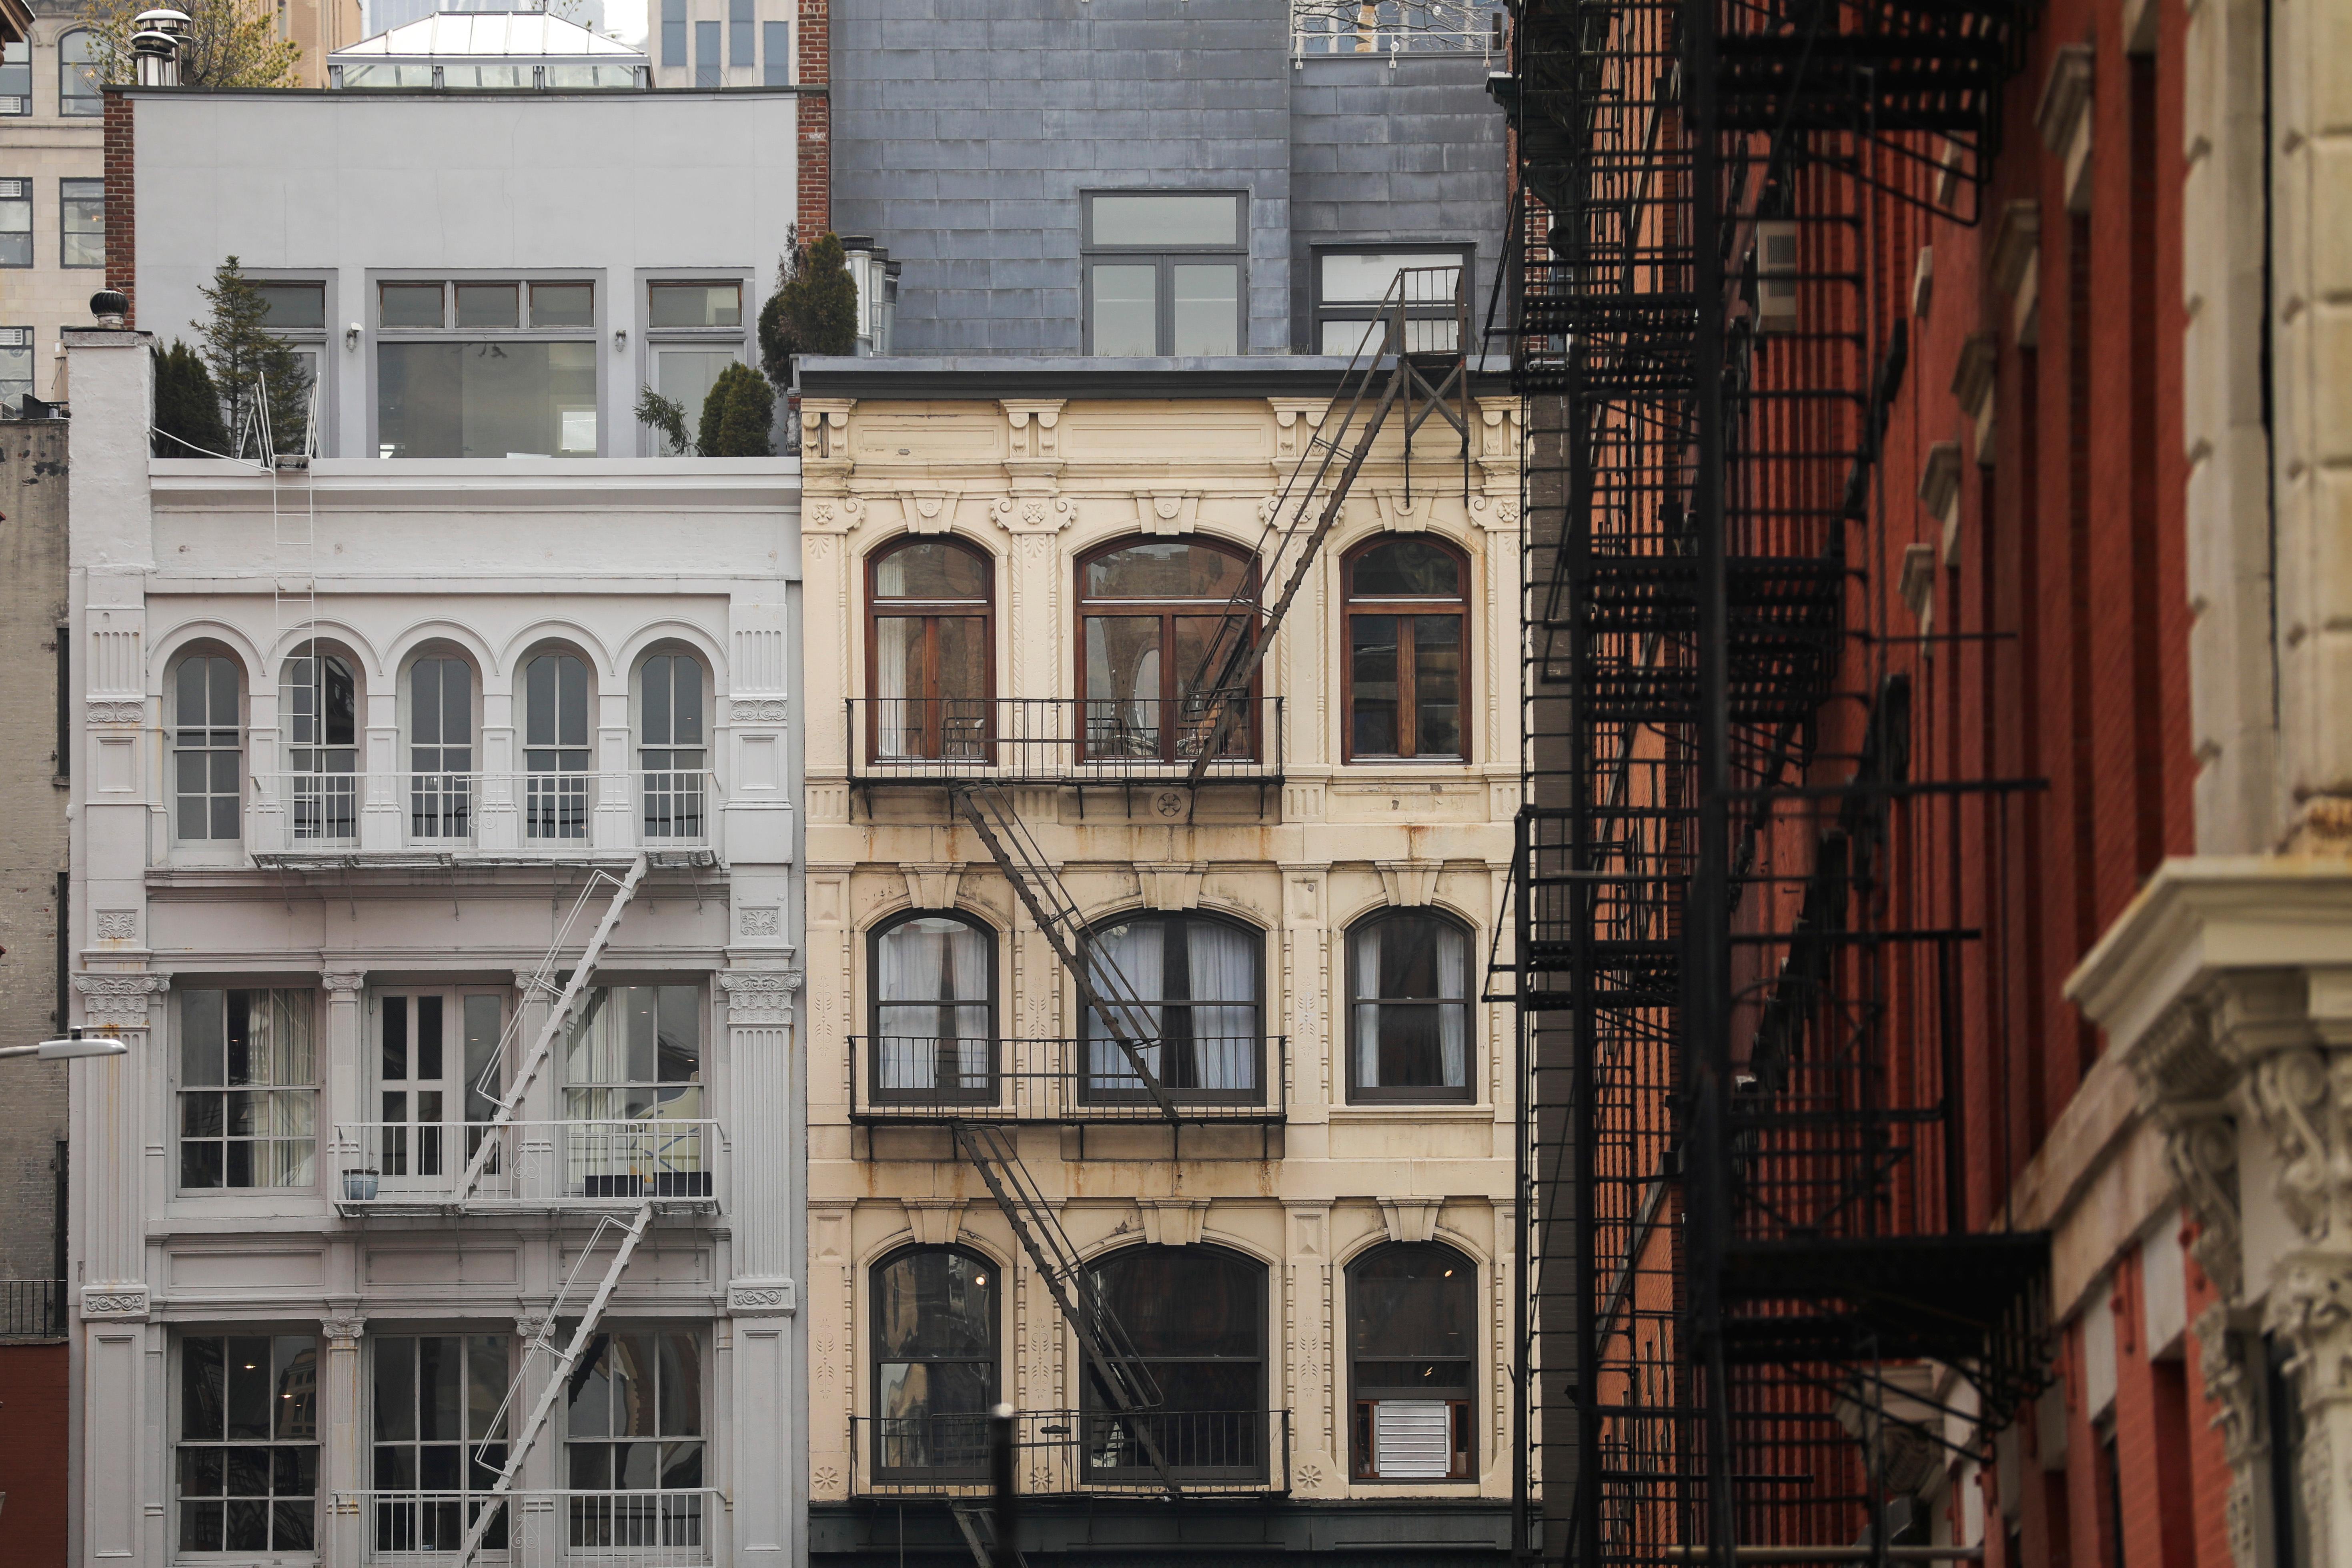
[{"x": 435, "y": 848}]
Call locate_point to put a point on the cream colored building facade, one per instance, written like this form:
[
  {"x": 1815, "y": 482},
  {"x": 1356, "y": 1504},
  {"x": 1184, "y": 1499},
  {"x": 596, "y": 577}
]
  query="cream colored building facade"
[
  {"x": 2226, "y": 987},
  {"x": 1293, "y": 845},
  {"x": 53, "y": 136}
]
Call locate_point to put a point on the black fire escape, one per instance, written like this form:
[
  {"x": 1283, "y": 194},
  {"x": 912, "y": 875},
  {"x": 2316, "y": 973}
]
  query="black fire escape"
[{"x": 1749, "y": 1252}]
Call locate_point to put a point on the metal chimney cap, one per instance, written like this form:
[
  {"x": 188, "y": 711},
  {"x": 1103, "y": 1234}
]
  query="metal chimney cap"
[
  {"x": 163, "y": 20},
  {"x": 110, "y": 306},
  {"x": 155, "y": 41}
]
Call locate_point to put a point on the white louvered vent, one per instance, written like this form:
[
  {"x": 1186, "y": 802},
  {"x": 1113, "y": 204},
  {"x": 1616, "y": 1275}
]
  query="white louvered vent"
[{"x": 1409, "y": 1439}]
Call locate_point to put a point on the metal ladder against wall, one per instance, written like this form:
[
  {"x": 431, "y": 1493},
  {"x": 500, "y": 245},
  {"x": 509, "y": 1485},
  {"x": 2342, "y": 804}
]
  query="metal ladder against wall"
[
  {"x": 293, "y": 529},
  {"x": 978, "y": 1522},
  {"x": 541, "y": 1348},
  {"x": 559, "y": 1014},
  {"x": 1418, "y": 381},
  {"x": 1110, "y": 1354}
]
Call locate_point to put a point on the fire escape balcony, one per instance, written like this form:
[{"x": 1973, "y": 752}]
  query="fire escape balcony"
[
  {"x": 1057, "y": 741},
  {"x": 924, "y": 1082},
  {"x": 408, "y": 1169},
  {"x": 344, "y": 820},
  {"x": 674, "y": 1528},
  {"x": 1076, "y": 1452}
]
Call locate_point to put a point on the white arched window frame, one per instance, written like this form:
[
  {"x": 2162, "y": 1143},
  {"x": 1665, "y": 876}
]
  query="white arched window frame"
[
  {"x": 317, "y": 715},
  {"x": 206, "y": 692},
  {"x": 672, "y": 702}
]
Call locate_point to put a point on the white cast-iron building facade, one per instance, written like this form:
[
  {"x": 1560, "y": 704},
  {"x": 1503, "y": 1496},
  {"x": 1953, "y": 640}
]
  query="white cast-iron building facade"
[{"x": 434, "y": 845}]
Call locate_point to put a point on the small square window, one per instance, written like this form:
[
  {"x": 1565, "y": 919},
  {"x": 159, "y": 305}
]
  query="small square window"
[
  {"x": 563, "y": 304},
  {"x": 488, "y": 305},
  {"x": 409, "y": 305},
  {"x": 693, "y": 305},
  {"x": 294, "y": 307}
]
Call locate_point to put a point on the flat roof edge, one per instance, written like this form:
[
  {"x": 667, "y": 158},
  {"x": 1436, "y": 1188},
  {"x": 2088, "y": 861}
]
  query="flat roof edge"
[{"x": 1263, "y": 376}]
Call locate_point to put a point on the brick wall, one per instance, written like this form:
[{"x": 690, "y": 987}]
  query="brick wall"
[
  {"x": 816, "y": 185},
  {"x": 32, "y": 607},
  {"x": 33, "y": 1403},
  {"x": 121, "y": 212}
]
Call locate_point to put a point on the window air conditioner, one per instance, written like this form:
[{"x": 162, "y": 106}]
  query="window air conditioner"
[{"x": 1775, "y": 275}]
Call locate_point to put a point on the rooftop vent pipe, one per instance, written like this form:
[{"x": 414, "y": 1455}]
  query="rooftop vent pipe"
[{"x": 155, "y": 45}]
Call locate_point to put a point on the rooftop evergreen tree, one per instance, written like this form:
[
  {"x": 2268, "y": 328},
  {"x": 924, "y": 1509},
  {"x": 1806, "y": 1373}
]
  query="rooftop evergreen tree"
[
  {"x": 244, "y": 357},
  {"x": 813, "y": 309},
  {"x": 188, "y": 405}
]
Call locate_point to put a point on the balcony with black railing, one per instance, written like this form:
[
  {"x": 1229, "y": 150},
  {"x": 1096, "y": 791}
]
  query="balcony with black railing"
[
  {"x": 1076, "y": 1453},
  {"x": 1059, "y": 740},
  {"x": 928, "y": 1079}
]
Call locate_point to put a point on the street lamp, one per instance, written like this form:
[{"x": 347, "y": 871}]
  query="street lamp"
[{"x": 73, "y": 1045}]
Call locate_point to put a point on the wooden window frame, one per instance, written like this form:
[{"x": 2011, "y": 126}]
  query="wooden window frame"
[
  {"x": 1401, "y": 607},
  {"x": 875, "y": 1002},
  {"x": 929, "y": 611},
  {"x": 875, "y": 1357},
  {"x": 1460, "y": 1401},
  {"x": 1169, "y": 611},
  {"x": 1387, "y": 1094}
]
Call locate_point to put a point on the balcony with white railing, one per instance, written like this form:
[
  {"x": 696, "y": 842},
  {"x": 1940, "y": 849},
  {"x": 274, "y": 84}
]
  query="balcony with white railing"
[
  {"x": 408, "y": 1168},
  {"x": 674, "y": 1529},
  {"x": 303, "y": 816}
]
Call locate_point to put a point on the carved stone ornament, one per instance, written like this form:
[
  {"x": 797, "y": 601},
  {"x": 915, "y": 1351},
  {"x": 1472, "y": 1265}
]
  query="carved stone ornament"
[
  {"x": 2301, "y": 1098},
  {"x": 344, "y": 1333},
  {"x": 761, "y": 995},
  {"x": 119, "y": 1000},
  {"x": 762, "y": 711},
  {"x": 116, "y": 925},
  {"x": 761, "y": 1298},
  {"x": 759, "y": 920},
  {"x": 342, "y": 980},
  {"x": 2200, "y": 1149},
  {"x": 2234, "y": 1390},
  {"x": 1410, "y": 1219},
  {"x": 532, "y": 1325},
  {"x": 122, "y": 1303},
  {"x": 115, "y": 714},
  {"x": 1173, "y": 1222}
]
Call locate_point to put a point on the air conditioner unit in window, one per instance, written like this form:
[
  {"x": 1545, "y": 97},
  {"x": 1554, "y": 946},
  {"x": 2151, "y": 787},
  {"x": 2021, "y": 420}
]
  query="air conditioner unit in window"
[{"x": 1775, "y": 275}]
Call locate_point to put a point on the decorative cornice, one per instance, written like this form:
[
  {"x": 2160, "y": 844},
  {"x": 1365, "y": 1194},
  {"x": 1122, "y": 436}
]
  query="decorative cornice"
[
  {"x": 129, "y": 714},
  {"x": 119, "y": 1001},
  {"x": 760, "y": 996},
  {"x": 115, "y": 1303},
  {"x": 761, "y": 1298}
]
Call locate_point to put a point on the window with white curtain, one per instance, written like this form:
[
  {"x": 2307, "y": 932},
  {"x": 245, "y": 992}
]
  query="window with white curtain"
[
  {"x": 934, "y": 1010},
  {"x": 248, "y": 1083},
  {"x": 1201, "y": 984},
  {"x": 1408, "y": 1008}
]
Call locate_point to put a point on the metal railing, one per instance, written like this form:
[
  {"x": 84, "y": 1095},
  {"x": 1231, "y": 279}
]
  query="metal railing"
[
  {"x": 33, "y": 1308},
  {"x": 1073, "y": 1452},
  {"x": 918, "y": 1078},
  {"x": 672, "y": 1529},
  {"x": 1016, "y": 740},
  {"x": 384, "y": 1166},
  {"x": 1327, "y": 27},
  {"x": 554, "y": 811}
]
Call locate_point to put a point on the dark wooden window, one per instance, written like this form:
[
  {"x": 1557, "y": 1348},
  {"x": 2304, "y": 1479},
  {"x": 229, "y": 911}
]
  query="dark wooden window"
[
  {"x": 930, "y": 650},
  {"x": 1149, "y": 612},
  {"x": 1412, "y": 1349},
  {"x": 1196, "y": 1316},
  {"x": 1407, "y": 633},
  {"x": 934, "y": 1361},
  {"x": 934, "y": 1009},
  {"x": 1202, "y": 981},
  {"x": 1409, "y": 1035}
]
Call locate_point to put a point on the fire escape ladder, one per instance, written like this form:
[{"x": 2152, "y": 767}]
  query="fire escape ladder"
[
  {"x": 978, "y": 1523},
  {"x": 486, "y": 1146},
  {"x": 559, "y": 1375},
  {"x": 1221, "y": 689},
  {"x": 1103, "y": 991},
  {"x": 1126, "y": 1382}
]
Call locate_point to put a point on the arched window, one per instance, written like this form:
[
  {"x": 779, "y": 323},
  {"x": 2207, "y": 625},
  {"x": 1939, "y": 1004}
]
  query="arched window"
[
  {"x": 1407, "y": 626},
  {"x": 934, "y": 1010},
  {"x": 77, "y": 76},
  {"x": 555, "y": 747},
  {"x": 1201, "y": 982},
  {"x": 1412, "y": 1348},
  {"x": 1408, "y": 1007},
  {"x": 440, "y": 748},
  {"x": 1196, "y": 1317},
  {"x": 318, "y": 705},
  {"x": 934, "y": 1361},
  {"x": 206, "y": 749},
  {"x": 1149, "y": 615},
  {"x": 671, "y": 758},
  {"x": 932, "y": 649}
]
